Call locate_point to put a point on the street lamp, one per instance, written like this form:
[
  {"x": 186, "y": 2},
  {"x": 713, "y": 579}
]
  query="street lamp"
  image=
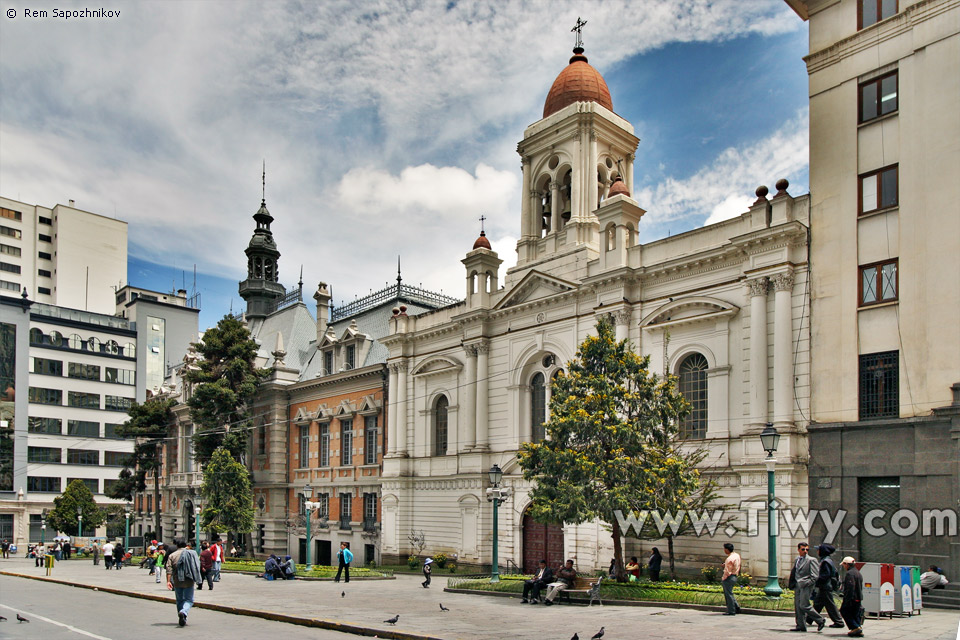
[
  {"x": 126, "y": 536},
  {"x": 769, "y": 439},
  {"x": 497, "y": 496},
  {"x": 79, "y": 521},
  {"x": 196, "y": 512},
  {"x": 308, "y": 507}
]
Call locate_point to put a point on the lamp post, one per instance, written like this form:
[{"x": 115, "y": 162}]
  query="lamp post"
[
  {"x": 79, "y": 521},
  {"x": 43, "y": 531},
  {"x": 196, "y": 512},
  {"x": 769, "y": 439},
  {"x": 497, "y": 496},
  {"x": 308, "y": 507},
  {"x": 126, "y": 536}
]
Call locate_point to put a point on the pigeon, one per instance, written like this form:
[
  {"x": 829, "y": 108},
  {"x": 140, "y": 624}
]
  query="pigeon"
[
  {"x": 2, "y": 619},
  {"x": 343, "y": 594},
  {"x": 597, "y": 635},
  {"x": 576, "y": 636},
  {"x": 443, "y": 608},
  {"x": 393, "y": 620},
  {"x": 20, "y": 618}
]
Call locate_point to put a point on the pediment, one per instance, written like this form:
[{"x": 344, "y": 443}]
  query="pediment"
[
  {"x": 323, "y": 413},
  {"x": 303, "y": 416},
  {"x": 689, "y": 310},
  {"x": 344, "y": 408},
  {"x": 535, "y": 286},
  {"x": 369, "y": 404},
  {"x": 437, "y": 365},
  {"x": 328, "y": 339}
]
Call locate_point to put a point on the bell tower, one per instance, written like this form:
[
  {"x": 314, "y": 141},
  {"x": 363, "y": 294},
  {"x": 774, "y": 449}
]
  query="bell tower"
[{"x": 262, "y": 289}]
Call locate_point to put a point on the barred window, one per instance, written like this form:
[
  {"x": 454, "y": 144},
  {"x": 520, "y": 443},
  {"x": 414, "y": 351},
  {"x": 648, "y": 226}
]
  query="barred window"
[
  {"x": 370, "y": 436},
  {"x": 538, "y": 406},
  {"x": 346, "y": 510},
  {"x": 693, "y": 386},
  {"x": 440, "y": 425},
  {"x": 879, "y": 385}
]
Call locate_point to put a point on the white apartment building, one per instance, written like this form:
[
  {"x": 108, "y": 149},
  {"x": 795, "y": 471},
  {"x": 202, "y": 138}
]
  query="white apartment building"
[{"x": 63, "y": 256}]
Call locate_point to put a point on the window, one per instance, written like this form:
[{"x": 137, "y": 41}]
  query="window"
[
  {"x": 83, "y": 371},
  {"x": 149, "y": 503},
  {"x": 92, "y": 483},
  {"x": 301, "y": 504},
  {"x": 10, "y": 250},
  {"x": 43, "y": 484},
  {"x": 49, "y": 455},
  {"x": 39, "y": 395},
  {"x": 115, "y": 458},
  {"x": 11, "y": 268},
  {"x": 370, "y": 440},
  {"x": 45, "y": 238},
  {"x": 369, "y": 511},
  {"x": 36, "y": 526},
  {"x": 328, "y": 362},
  {"x": 346, "y": 442},
  {"x": 117, "y": 403},
  {"x": 6, "y": 526},
  {"x": 878, "y": 283},
  {"x": 878, "y": 190},
  {"x": 83, "y": 400},
  {"x": 351, "y": 355},
  {"x": 262, "y": 439},
  {"x": 83, "y": 428},
  {"x": 324, "y": 454},
  {"x": 346, "y": 508},
  {"x": 9, "y": 286},
  {"x": 693, "y": 386},
  {"x": 878, "y": 97},
  {"x": 879, "y": 385},
  {"x": 120, "y": 376},
  {"x": 110, "y": 430},
  {"x": 44, "y": 220},
  {"x": 440, "y": 426},
  {"x": 10, "y": 233},
  {"x": 538, "y": 406},
  {"x": 304, "y": 446},
  {"x": 44, "y": 273},
  {"x": 323, "y": 505},
  {"x": 10, "y": 214},
  {"x": 46, "y": 367},
  {"x": 873, "y": 11},
  {"x": 109, "y": 484},
  {"x": 44, "y": 291},
  {"x": 44, "y": 255},
  {"x": 44, "y": 425},
  {"x": 83, "y": 456}
]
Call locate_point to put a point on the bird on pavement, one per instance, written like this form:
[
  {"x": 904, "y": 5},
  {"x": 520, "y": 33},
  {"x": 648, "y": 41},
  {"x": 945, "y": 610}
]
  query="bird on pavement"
[
  {"x": 443, "y": 608},
  {"x": 393, "y": 620},
  {"x": 598, "y": 634},
  {"x": 343, "y": 594},
  {"x": 20, "y": 618},
  {"x": 2, "y": 619},
  {"x": 576, "y": 636}
]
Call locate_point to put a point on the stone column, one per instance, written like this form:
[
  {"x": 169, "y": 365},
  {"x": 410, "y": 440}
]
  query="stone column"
[
  {"x": 554, "y": 205},
  {"x": 622, "y": 323},
  {"x": 576, "y": 181},
  {"x": 392, "y": 411},
  {"x": 536, "y": 217},
  {"x": 482, "y": 396},
  {"x": 468, "y": 428},
  {"x": 591, "y": 167},
  {"x": 525, "y": 209},
  {"x": 401, "y": 404},
  {"x": 628, "y": 179},
  {"x": 782, "y": 351},
  {"x": 758, "y": 351}
]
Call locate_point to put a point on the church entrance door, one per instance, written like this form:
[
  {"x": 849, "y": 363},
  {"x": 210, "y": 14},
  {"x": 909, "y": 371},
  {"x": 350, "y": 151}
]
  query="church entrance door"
[{"x": 541, "y": 541}]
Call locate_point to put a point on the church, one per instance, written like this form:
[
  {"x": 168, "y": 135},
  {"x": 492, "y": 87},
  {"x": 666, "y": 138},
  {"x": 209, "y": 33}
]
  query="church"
[{"x": 724, "y": 307}]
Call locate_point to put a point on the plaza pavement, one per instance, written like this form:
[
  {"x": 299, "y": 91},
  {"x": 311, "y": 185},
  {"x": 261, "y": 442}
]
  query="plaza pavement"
[{"x": 471, "y": 617}]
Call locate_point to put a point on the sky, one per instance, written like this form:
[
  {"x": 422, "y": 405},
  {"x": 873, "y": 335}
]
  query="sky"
[{"x": 387, "y": 128}]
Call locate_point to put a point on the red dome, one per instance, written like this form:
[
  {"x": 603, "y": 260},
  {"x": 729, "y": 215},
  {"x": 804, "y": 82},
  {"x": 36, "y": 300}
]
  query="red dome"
[
  {"x": 578, "y": 82},
  {"x": 482, "y": 242},
  {"x": 618, "y": 188}
]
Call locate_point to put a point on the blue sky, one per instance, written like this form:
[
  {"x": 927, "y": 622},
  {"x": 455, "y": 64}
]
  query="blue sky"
[{"x": 387, "y": 128}]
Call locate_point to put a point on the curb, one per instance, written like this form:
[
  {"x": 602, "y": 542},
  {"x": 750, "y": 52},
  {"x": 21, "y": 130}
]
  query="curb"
[
  {"x": 317, "y": 623},
  {"x": 637, "y": 603}
]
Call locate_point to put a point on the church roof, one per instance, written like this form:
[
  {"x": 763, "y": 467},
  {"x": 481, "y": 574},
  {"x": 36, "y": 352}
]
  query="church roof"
[
  {"x": 618, "y": 188},
  {"x": 482, "y": 242},
  {"x": 578, "y": 82}
]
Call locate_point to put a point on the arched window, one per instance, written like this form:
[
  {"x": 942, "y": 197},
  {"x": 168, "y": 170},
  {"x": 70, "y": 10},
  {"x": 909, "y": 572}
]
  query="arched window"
[
  {"x": 538, "y": 406},
  {"x": 440, "y": 426},
  {"x": 693, "y": 386}
]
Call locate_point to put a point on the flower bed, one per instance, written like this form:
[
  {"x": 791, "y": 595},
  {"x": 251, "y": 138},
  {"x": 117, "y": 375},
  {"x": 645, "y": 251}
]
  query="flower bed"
[{"x": 319, "y": 571}]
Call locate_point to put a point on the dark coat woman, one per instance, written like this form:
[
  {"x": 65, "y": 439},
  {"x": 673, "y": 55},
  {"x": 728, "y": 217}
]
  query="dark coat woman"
[{"x": 655, "y": 561}]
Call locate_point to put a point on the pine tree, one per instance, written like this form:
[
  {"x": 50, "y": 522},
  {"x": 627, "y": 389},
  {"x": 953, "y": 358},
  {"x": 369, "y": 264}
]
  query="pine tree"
[
  {"x": 226, "y": 382},
  {"x": 608, "y": 439},
  {"x": 64, "y": 515},
  {"x": 228, "y": 496}
]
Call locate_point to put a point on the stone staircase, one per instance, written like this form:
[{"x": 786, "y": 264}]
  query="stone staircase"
[{"x": 946, "y": 598}]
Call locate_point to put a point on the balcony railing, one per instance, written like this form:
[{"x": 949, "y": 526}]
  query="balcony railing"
[
  {"x": 345, "y": 523},
  {"x": 370, "y": 525},
  {"x": 190, "y": 479}
]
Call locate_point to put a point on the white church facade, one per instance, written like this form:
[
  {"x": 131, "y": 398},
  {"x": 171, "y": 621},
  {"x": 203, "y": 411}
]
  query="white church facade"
[{"x": 724, "y": 307}]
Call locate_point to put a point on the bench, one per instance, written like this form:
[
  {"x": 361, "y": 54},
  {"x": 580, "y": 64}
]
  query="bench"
[{"x": 588, "y": 586}]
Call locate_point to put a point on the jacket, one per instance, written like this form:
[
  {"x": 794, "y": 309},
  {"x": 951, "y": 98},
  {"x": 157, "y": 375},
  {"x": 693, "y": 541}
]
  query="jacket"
[
  {"x": 547, "y": 577},
  {"x": 827, "y": 572},
  {"x": 805, "y": 573},
  {"x": 345, "y": 555},
  {"x": 655, "y": 561},
  {"x": 186, "y": 573},
  {"x": 852, "y": 587},
  {"x": 568, "y": 576},
  {"x": 206, "y": 560}
]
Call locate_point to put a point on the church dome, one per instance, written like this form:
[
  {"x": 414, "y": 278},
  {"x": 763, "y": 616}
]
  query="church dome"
[
  {"x": 618, "y": 188},
  {"x": 578, "y": 82},
  {"x": 482, "y": 242}
]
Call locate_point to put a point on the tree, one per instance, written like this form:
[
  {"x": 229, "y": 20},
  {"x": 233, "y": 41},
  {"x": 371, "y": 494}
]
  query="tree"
[
  {"x": 226, "y": 382},
  {"x": 64, "y": 516},
  {"x": 607, "y": 445},
  {"x": 148, "y": 425},
  {"x": 227, "y": 493}
]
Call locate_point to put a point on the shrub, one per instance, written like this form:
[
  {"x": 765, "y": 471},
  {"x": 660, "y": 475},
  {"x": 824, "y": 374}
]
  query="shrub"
[
  {"x": 744, "y": 579},
  {"x": 709, "y": 573},
  {"x": 452, "y": 568},
  {"x": 441, "y": 560},
  {"x": 413, "y": 562}
]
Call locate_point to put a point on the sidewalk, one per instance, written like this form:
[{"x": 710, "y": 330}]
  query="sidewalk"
[{"x": 368, "y": 603}]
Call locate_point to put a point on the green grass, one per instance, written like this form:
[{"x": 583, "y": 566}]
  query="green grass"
[{"x": 318, "y": 571}]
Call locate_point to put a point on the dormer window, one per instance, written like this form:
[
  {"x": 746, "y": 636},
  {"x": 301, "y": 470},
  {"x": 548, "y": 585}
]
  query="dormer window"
[
  {"x": 351, "y": 356},
  {"x": 328, "y": 361}
]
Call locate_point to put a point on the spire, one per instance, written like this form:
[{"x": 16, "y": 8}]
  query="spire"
[
  {"x": 579, "y": 28},
  {"x": 263, "y": 187},
  {"x": 399, "y": 279}
]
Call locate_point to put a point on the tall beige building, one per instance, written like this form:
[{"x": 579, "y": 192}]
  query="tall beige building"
[
  {"x": 885, "y": 263},
  {"x": 64, "y": 256}
]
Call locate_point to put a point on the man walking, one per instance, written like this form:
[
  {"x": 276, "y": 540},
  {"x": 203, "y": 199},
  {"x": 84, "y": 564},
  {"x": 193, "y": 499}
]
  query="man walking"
[
  {"x": 533, "y": 586},
  {"x": 206, "y": 565},
  {"x": 345, "y": 557},
  {"x": 803, "y": 577},
  {"x": 183, "y": 575},
  {"x": 96, "y": 553},
  {"x": 108, "y": 554},
  {"x": 827, "y": 585},
  {"x": 217, "y": 550},
  {"x": 731, "y": 569},
  {"x": 5, "y": 547},
  {"x": 851, "y": 608}
]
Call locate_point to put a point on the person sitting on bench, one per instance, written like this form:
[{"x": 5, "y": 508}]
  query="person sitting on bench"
[
  {"x": 543, "y": 577},
  {"x": 566, "y": 578}
]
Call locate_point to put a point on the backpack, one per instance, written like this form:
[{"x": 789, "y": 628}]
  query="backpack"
[{"x": 834, "y": 579}]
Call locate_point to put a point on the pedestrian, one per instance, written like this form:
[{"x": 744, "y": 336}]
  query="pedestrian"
[
  {"x": 67, "y": 550},
  {"x": 217, "y": 549},
  {"x": 731, "y": 569},
  {"x": 803, "y": 577},
  {"x": 345, "y": 557},
  {"x": 654, "y": 564},
  {"x": 96, "y": 553},
  {"x": 206, "y": 565},
  {"x": 108, "y": 554},
  {"x": 39, "y": 552},
  {"x": 58, "y": 552},
  {"x": 827, "y": 584},
  {"x": 160, "y": 559},
  {"x": 5, "y": 548},
  {"x": 851, "y": 607},
  {"x": 427, "y": 571},
  {"x": 118, "y": 554},
  {"x": 183, "y": 576}
]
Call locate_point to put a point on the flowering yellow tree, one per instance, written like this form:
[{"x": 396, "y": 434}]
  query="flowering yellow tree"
[{"x": 609, "y": 442}]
